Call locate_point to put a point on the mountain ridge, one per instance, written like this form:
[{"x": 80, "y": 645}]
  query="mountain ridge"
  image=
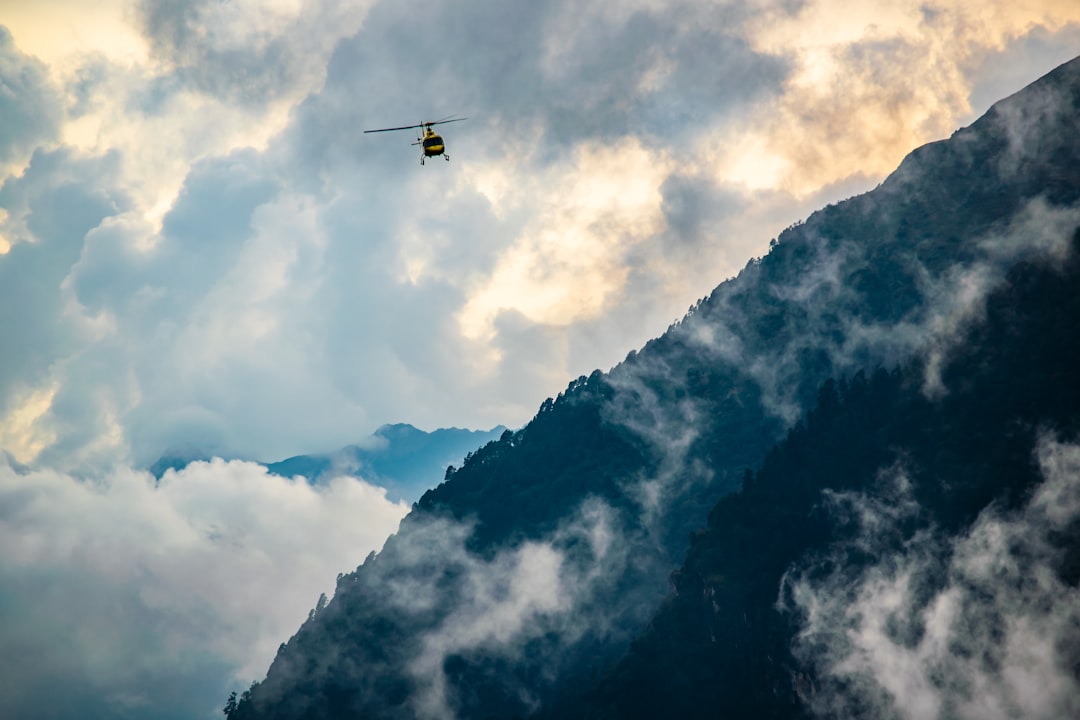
[
  {"x": 528, "y": 572},
  {"x": 872, "y": 441},
  {"x": 398, "y": 457}
]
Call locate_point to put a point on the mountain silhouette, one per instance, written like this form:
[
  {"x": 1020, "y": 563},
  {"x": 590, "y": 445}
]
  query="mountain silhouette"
[
  {"x": 517, "y": 587},
  {"x": 403, "y": 459},
  {"x": 877, "y": 474}
]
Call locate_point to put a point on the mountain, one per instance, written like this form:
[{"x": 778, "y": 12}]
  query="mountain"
[
  {"x": 517, "y": 587},
  {"x": 401, "y": 458},
  {"x": 883, "y": 484}
]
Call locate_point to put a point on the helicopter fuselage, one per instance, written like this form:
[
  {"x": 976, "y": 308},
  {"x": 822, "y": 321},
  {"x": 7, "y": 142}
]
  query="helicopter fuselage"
[
  {"x": 432, "y": 144},
  {"x": 429, "y": 141}
]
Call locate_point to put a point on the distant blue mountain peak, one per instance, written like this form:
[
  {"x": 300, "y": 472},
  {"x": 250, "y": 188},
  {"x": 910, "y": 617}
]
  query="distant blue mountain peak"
[{"x": 400, "y": 457}]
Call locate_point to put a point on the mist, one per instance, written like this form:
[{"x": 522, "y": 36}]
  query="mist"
[
  {"x": 128, "y": 593},
  {"x": 981, "y": 625}
]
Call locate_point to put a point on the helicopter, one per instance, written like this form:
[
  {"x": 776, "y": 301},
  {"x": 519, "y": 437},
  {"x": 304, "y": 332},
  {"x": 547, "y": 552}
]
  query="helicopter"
[{"x": 429, "y": 141}]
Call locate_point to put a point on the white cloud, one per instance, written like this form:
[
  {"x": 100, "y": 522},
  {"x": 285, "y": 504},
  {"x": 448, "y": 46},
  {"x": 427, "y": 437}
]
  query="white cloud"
[
  {"x": 593, "y": 211},
  {"x": 870, "y": 83},
  {"x": 609, "y": 175},
  {"x": 29, "y": 103},
  {"x": 56, "y": 30},
  {"x": 979, "y": 626},
  {"x": 167, "y": 593}
]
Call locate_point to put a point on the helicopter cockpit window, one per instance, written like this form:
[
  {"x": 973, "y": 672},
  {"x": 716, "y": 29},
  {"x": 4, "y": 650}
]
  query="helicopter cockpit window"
[{"x": 433, "y": 140}]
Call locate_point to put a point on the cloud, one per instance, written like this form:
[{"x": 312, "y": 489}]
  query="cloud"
[
  {"x": 610, "y": 173},
  {"x": 48, "y": 209},
  {"x": 1038, "y": 230},
  {"x": 1005, "y": 70},
  {"x": 978, "y": 626},
  {"x": 825, "y": 310},
  {"x": 870, "y": 84},
  {"x": 29, "y": 104},
  {"x": 245, "y": 51},
  {"x": 71, "y": 29},
  {"x": 564, "y": 267},
  {"x": 131, "y": 593},
  {"x": 507, "y": 602}
]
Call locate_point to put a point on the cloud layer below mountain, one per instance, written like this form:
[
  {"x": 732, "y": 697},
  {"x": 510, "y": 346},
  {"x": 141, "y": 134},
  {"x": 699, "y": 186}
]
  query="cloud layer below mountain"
[{"x": 122, "y": 592}]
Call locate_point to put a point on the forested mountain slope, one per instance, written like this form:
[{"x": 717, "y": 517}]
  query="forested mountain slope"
[
  {"x": 522, "y": 578},
  {"x": 881, "y": 481}
]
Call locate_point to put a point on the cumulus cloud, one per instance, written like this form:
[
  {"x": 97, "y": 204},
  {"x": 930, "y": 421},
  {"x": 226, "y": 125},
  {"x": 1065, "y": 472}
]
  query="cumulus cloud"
[
  {"x": 1003, "y": 71},
  {"x": 978, "y": 626},
  {"x": 245, "y": 51},
  {"x": 29, "y": 104},
  {"x": 565, "y": 267},
  {"x": 132, "y": 593},
  {"x": 610, "y": 173},
  {"x": 48, "y": 209},
  {"x": 869, "y": 84}
]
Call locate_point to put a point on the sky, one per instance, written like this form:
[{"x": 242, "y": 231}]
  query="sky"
[{"x": 201, "y": 252}]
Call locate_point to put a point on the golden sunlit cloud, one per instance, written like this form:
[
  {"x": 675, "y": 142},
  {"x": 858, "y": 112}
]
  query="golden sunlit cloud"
[
  {"x": 21, "y": 433},
  {"x": 158, "y": 148},
  {"x": 54, "y": 30},
  {"x": 868, "y": 85},
  {"x": 569, "y": 263},
  {"x": 5, "y": 244}
]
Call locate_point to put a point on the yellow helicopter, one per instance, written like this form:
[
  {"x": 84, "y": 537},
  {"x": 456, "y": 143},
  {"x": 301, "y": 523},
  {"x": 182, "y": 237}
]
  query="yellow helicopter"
[{"x": 429, "y": 141}]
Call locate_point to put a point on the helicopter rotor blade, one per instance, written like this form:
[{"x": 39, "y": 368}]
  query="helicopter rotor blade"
[
  {"x": 447, "y": 120},
  {"x": 403, "y": 127}
]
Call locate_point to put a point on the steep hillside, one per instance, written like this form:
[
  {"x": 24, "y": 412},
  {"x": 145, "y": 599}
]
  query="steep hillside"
[
  {"x": 877, "y": 474},
  {"x": 524, "y": 576}
]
